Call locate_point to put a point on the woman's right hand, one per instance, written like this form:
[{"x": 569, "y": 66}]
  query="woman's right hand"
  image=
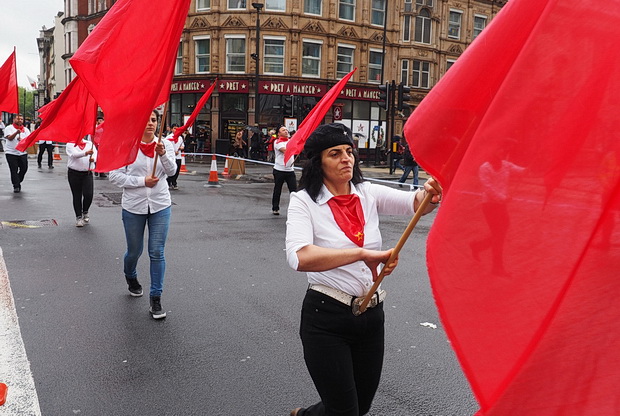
[
  {"x": 373, "y": 258},
  {"x": 151, "y": 181}
]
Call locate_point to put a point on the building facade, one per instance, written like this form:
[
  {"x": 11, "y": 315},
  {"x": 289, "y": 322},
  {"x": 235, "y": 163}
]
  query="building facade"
[{"x": 274, "y": 60}]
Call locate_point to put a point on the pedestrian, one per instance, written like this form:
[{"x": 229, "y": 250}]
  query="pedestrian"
[
  {"x": 45, "y": 145},
  {"x": 178, "y": 146},
  {"x": 239, "y": 145},
  {"x": 333, "y": 234},
  {"x": 271, "y": 139},
  {"x": 282, "y": 172},
  {"x": 17, "y": 161},
  {"x": 409, "y": 164},
  {"x": 80, "y": 163},
  {"x": 146, "y": 202},
  {"x": 397, "y": 153},
  {"x": 96, "y": 138}
]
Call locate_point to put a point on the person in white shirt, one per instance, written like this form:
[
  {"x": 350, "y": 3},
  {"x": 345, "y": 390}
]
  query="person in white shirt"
[
  {"x": 179, "y": 146},
  {"x": 146, "y": 201},
  {"x": 282, "y": 172},
  {"x": 45, "y": 145},
  {"x": 17, "y": 161},
  {"x": 80, "y": 163},
  {"x": 333, "y": 234}
]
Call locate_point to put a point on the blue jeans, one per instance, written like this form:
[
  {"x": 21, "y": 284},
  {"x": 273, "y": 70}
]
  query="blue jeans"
[
  {"x": 405, "y": 175},
  {"x": 134, "y": 233}
]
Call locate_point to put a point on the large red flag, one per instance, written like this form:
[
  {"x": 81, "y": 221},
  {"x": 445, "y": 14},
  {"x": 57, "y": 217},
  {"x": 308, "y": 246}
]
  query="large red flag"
[
  {"x": 522, "y": 132},
  {"x": 314, "y": 118},
  {"x": 67, "y": 119},
  {"x": 8, "y": 85},
  {"x": 127, "y": 65},
  {"x": 201, "y": 103}
]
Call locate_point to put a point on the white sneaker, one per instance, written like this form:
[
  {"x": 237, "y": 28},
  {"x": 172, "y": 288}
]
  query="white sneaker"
[
  {"x": 86, "y": 218},
  {"x": 79, "y": 222}
]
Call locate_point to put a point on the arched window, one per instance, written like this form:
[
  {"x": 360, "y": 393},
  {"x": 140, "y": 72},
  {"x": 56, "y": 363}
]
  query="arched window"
[{"x": 423, "y": 27}]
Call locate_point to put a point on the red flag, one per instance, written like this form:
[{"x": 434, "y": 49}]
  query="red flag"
[
  {"x": 67, "y": 119},
  {"x": 8, "y": 85},
  {"x": 523, "y": 135},
  {"x": 127, "y": 64},
  {"x": 201, "y": 103},
  {"x": 314, "y": 118}
]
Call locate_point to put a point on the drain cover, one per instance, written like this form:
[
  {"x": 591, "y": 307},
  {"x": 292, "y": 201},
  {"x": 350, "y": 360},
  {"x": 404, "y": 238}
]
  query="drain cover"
[{"x": 28, "y": 223}]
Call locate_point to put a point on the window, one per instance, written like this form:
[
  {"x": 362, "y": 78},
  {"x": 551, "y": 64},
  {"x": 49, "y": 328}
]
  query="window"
[
  {"x": 375, "y": 59},
  {"x": 276, "y": 5},
  {"x": 407, "y": 28},
  {"x": 235, "y": 54},
  {"x": 90, "y": 28},
  {"x": 423, "y": 27},
  {"x": 312, "y": 6},
  {"x": 377, "y": 14},
  {"x": 202, "y": 47},
  {"x": 428, "y": 3},
  {"x": 421, "y": 74},
  {"x": 100, "y": 5},
  {"x": 273, "y": 62},
  {"x": 449, "y": 64},
  {"x": 407, "y": 5},
  {"x": 203, "y": 4},
  {"x": 480, "y": 22},
  {"x": 404, "y": 72},
  {"x": 236, "y": 4},
  {"x": 311, "y": 59},
  {"x": 346, "y": 10},
  {"x": 92, "y": 6},
  {"x": 454, "y": 24},
  {"x": 178, "y": 64},
  {"x": 345, "y": 60}
]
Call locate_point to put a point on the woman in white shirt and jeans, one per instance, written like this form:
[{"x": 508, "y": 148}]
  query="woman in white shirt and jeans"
[
  {"x": 333, "y": 235},
  {"x": 146, "y": 201}
]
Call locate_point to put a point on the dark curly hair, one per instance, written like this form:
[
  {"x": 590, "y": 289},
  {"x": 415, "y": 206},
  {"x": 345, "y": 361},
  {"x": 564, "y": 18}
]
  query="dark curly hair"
[{"x": 312, "y": 175}]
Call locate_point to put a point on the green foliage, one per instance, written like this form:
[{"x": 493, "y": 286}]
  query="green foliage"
[{"x": 28, "y": 109}]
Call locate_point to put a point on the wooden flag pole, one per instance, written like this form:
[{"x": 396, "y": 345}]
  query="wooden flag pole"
[
  {"x": 161, "y": 131},
  {"x": 397, "y": 248}
]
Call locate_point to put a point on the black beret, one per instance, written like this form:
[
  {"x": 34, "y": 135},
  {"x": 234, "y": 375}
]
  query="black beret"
[{"x": 326, "y": 136}]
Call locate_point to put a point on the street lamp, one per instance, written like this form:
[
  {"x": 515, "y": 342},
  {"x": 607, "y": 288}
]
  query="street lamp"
[{"x": 256, "y": 57}]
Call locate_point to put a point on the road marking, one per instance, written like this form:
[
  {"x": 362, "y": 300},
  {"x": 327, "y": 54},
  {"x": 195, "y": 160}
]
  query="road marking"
[{"x": 15, "y": 371}]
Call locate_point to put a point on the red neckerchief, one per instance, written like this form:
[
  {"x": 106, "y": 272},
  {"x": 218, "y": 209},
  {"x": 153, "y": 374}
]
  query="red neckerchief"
[
  {"x": 174, "y": 139},
  {"x": 282, "y": 139},
  {"x": 348, "y": 213},
  {"x": 148, "y": 148},
  {"x": 81, "y": 145},
  {"x": 20, "y": 128}
]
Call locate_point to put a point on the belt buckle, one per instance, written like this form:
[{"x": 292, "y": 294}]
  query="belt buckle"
[{"x": 357, "y": 302}]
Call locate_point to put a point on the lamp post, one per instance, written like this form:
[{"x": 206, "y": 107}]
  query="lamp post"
[{"x": 256, "y": 57}]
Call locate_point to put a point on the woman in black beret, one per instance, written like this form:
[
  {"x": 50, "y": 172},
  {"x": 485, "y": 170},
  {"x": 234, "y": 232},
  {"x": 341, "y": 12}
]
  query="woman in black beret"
[{"x": 333, "y": 235}]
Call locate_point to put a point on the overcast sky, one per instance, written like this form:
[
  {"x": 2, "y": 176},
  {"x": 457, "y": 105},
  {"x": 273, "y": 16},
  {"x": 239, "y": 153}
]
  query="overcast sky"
[{"x": 21, "y": 21}]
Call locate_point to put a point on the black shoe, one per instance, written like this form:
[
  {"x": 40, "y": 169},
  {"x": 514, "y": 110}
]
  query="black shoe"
[
  {"x": 156, "y": 310},
  {"x": 39, "y": 166},
  {"x": 17, "y": 189},
  {"x": 103, "y": 175},
  {"x": 275, "y": 212},
  {"x": 135, "y": 289},
  {"x": 50, "y": 167}
]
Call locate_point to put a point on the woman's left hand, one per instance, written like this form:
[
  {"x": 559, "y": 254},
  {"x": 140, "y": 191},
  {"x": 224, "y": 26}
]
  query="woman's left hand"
[{"x": 160, "y": 148}]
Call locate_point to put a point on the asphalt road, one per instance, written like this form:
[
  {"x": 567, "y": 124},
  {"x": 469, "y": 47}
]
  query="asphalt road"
[{"x": 230, "y": 343}]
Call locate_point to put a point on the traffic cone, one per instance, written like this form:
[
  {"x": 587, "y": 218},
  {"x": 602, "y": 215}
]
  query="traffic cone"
[
  {"x": 183, "y": 168},
  {"x": 213, "y": 179},
  {"x": 225, "y": 173},
  {"x": 56, "y": 153}
]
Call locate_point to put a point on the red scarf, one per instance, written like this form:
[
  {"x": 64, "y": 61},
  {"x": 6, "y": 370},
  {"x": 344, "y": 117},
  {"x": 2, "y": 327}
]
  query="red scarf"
[
  {"x": 20, "y": 128},
  {"x": 174, "y": 139},
  {"x": 81, "y": 145},
  {"x": 282, "y": 139},
  {"x": 148, "y": 148},
  {"x": 348, "y": 213}
]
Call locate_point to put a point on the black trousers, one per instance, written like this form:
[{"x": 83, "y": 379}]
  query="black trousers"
[
  {"x": 81, "y": 184},
  {"x": 42, "y": 148},
  {"x": 343, "y": 353},
  {"x": 172, "y": 180},
  {"x": 18, "y": 165},
  {"x": 279, "y": 177}
]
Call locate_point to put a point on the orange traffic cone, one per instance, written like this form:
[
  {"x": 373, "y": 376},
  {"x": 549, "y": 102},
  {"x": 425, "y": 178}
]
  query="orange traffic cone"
[
  {"x": 183, "y": 168},
  {"x": 214, "y": 181},
  {"x": 225, "y": 173},
  {"x": 56, "y": 153}
]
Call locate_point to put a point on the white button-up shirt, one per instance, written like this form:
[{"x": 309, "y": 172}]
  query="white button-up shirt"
[
  {"x": 279, "y": 157},
  {"x": 9, "y": 145},
  {"x": 310, "y": 222},
  {"x": 78, "y": 159},
  {"x": 137, "y": 197}
]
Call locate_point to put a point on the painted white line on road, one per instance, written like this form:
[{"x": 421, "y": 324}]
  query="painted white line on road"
[{"x": 15, "y": 371}]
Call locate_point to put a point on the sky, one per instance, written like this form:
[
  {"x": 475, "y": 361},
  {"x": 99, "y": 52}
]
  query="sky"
[{"x": 21, "y": 22}]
